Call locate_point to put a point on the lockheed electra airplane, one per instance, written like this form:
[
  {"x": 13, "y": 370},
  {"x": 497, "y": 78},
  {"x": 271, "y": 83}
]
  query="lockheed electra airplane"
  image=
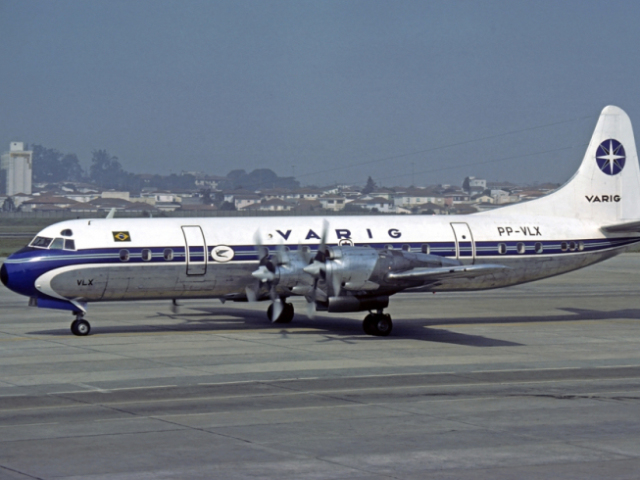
[{"x": 345, "y": 263}]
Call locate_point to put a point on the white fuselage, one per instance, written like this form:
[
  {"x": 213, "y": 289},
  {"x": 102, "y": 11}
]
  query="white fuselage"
[{"x": 151, "y": 261}]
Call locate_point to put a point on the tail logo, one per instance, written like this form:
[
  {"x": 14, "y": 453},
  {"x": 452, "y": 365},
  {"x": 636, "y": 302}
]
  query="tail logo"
[{"x": 610, "y": 157}]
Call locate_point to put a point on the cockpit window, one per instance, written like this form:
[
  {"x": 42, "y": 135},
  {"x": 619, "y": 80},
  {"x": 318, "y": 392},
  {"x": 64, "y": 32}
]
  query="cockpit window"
[
  {"x": 57, "y": 244},
  {"x": 41, "y": 242},
  {"x": 69, "y": 244},
  {"x": 66, "y": 233}
]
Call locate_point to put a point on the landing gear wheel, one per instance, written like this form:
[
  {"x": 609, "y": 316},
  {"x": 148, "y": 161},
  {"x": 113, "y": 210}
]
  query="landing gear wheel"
[
  {"x": 80, "y": 327},
  {"x": 378, "y": 324},
  {"x": 367, "y": 325},
  {"x": 285, "y": 317}
]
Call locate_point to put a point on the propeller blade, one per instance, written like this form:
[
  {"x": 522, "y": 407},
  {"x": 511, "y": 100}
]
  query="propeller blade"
[
  {"x": 321, "y": 255},
  {"x": 277, "y": 309},
  {"x": 304, "y": 253},
  {"x": 252, "y": 293},
  {"x": 282, "y": 254},
  {"x": 261, "y": 250},
  {"x": 311, "y": 310}
]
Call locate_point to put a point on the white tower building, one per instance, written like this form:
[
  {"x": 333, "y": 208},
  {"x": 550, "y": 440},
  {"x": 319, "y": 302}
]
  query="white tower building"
[{"x": 15, "y": 170}]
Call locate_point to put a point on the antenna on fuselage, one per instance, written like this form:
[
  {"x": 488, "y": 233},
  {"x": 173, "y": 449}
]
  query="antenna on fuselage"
[{"x": 112, "y": 213}]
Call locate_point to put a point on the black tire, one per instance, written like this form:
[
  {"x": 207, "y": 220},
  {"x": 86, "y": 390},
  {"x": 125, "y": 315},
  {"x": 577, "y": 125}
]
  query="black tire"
[
  {"x": 368, "y": 324},
  {"x": 80, "y": 328},
  {"x": 381, "y": 325},
  {"x": 285, "y": 317},
  {"x": 287, "y": 314}
]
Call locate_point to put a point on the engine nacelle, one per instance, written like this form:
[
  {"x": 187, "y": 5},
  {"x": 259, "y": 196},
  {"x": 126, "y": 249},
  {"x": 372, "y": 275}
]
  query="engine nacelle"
[
  {"x": 350, "y": 268},
  {"x": 291, "y": 274},
  {"x": 366, "y": 269},
  {"x": 357, "y": 304}
]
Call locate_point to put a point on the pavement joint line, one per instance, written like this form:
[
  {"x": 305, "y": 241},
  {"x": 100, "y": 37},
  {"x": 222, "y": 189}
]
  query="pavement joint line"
[
  {"x": 28, "y": 424},
  {"x": 90, "y": 388},
  {"x": 142, "y": 432},
  {"x": 288, "y": 392},
  {"x": 4, "y": 467},
  {"x": 138, "y": 388},
  {"x": 356, "y": 468},
  {"x": 458, "y": 374}
]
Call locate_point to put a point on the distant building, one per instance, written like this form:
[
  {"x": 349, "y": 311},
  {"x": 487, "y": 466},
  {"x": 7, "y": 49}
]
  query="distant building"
[
  {"x": 413, "y": 197},
  {"x": 16, "y": 168},
  {"x": 332, "y": 202},
  {"x": 474, "y": 185},
  {"x": 272, "y": 205},
  {"x": 375, "y": 204}
]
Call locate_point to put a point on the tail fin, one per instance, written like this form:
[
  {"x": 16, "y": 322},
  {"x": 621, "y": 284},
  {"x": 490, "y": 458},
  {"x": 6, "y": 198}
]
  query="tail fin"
[{"x": 606, "y": 187}]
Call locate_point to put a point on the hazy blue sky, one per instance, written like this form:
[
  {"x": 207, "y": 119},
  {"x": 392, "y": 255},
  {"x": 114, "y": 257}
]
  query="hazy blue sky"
[{"x": 337, "y": 90}]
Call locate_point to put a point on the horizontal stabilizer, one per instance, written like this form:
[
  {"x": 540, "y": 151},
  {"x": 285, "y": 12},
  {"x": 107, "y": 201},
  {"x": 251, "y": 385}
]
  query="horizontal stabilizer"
[
  {"x": 622, "y": 227},
  {"x": 460, "y": 271}
]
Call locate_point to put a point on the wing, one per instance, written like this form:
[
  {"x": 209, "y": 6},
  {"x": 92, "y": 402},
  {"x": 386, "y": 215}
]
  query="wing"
[
  {"x": 622, "y": 227},
  {"x": 441, "y": 273}
]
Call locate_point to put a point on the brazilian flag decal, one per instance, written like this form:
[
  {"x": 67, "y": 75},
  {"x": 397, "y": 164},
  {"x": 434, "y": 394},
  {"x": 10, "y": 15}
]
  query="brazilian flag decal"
[{"x": 121, "y": 236}]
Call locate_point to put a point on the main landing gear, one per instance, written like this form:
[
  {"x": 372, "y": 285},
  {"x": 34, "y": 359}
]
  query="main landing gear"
[
  {"x": 285, "y": 316},
  {"x": 378, "y": 324},
  {"x": 80, "y": 326}
]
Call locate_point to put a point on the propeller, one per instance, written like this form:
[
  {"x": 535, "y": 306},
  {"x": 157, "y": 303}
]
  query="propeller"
[
  {"x": 263, "y": 255},
  {"x": 317, "y": 269},
  {"x": 266, "y": 273}
]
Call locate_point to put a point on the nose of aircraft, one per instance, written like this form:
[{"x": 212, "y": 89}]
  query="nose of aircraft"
[{"x": 4, "y": 275}]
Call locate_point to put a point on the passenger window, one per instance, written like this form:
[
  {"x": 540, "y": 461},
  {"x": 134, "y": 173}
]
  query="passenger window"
[
  {"x": 502, "y": 248},
  {"x": 124, "y": 255},
  {"x": 57, "y": 244},
  {"x": 538, "y": 247},
  {"x": 146, "y": 254},
  {"x": 520, "y": 247},
  {"x": 69, "y": 244},
  {"x": 563, "y": 246},
  {"x": 406, "y": 247},
  {"x": 580, "y": 246},
  {"x": 389, "y": 246},
  {"x": 168, "y": 254},
  {"x": 425, "y": 248},
  {"x": 572, "y": 246}
]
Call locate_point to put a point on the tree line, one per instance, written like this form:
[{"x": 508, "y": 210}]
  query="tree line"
[
  {"x": 106, "y": 171},
  {"x": 52, "y": 166}
]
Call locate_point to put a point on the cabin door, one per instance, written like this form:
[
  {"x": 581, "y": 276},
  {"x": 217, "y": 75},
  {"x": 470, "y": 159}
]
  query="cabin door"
[
  {"x": 196, "y": 250},
  {"x": 465, "y": 246}
]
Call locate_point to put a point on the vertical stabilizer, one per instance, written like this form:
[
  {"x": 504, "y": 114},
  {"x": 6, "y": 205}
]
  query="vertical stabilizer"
[{"x": 606, "y": 187}]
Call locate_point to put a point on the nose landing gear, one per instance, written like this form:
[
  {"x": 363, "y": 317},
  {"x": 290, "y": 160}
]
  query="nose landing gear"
[
  {"x": 80, "y": 327},
  {"x": 378, "y": 324}
]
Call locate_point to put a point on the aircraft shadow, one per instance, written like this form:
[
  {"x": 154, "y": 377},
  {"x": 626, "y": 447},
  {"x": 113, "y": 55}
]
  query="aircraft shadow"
[{"x": 337, "y": 329}]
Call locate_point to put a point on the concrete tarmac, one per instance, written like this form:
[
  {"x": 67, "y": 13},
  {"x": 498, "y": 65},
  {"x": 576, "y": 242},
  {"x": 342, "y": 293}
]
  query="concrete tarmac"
[{"x": 536, "y": 381}]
